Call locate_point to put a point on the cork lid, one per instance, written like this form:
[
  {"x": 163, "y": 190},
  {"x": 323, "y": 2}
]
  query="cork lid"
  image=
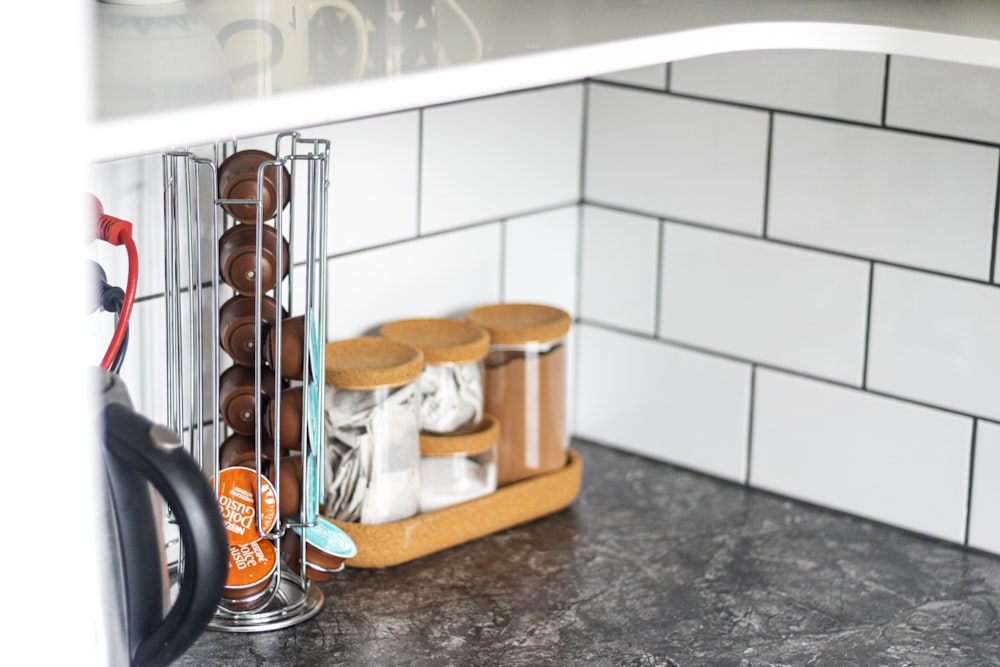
[
  {"x": 371, "y": 362},
  {"x": 442, "y": 340},
  {"x": 475, "y": 441},
  {"x": 518, "y": 323}
]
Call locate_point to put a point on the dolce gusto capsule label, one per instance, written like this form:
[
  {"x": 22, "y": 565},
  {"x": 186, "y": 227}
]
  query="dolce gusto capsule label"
[
  {"x": 250, "y": 563},
  {"x": 237, "y": 502}
]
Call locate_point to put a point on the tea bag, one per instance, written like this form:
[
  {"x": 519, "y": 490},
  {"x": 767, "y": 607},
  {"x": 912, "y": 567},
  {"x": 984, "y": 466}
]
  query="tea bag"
[
  {"x": 373, "y": 455},
  {"x": 451, "y": 397}
]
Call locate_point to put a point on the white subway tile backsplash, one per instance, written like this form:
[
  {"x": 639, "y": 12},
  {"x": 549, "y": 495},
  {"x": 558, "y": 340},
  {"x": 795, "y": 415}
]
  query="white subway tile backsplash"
[
  {"x": 444, "y": 275},
  {"x": 773, "y": 304},
  {"x": 500, "y": 156},
  {"x": 540, "y": 258},
  {"x": 678, "y": 158},
  {"x": 667, "y": 403},
  {"x": 984, "y": 512},
  {"x": 944, "y": 98},
  {"x": 839, "y": 84},
  {"x": 610, "y": 293},
  {"x": 654, "y": 76},
  {"x": 908, "y": 199},
  {"x": 373, "y": 181},
  {"x": 934, "y": 339},
  {"x": 884, "y": 459}
]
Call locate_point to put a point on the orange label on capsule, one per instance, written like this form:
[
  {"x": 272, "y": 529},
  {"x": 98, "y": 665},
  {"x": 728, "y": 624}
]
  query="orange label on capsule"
[
  {"x": 250, "y": 564},
  {"x": 237, "y": 501}
]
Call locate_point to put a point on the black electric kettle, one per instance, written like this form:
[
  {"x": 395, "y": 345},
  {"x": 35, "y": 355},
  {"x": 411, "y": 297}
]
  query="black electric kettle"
[{"x": 139, "y": 456}]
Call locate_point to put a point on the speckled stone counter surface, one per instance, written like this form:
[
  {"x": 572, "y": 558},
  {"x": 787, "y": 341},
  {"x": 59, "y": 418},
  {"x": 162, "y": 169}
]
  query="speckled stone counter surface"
[{"x": 653, "y": 565}]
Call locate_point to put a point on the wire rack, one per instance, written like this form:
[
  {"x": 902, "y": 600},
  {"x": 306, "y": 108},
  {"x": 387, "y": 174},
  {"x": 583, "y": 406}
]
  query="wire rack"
[{"x": 195, "y": 219}]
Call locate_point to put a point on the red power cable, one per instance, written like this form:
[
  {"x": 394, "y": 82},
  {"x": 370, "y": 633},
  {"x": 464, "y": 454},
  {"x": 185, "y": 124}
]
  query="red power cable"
[{"x": 119, "y": 232}]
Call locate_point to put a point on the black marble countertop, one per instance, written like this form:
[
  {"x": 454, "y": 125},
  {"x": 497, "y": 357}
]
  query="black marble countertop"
[{"x": 653, "y": 565}]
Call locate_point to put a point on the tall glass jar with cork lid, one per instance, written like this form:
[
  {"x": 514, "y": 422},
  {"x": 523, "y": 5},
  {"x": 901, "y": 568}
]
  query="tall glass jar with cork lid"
[
  {"x": 373, "y": 430},
  {"x": 526, "y": 385}
]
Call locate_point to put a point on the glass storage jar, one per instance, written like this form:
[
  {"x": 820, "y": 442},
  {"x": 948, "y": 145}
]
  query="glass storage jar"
[
  {"x": 526, "y": 385},
  {"x": 451, "y": 384},
  {"x": 458, "y": 468},
  {"x": 373, "y": 435}
]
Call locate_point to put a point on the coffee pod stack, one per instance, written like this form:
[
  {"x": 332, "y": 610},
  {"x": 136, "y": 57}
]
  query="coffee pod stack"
[
  {"x": 458, "y": 440},
  {"x": 260, "y": 468}
]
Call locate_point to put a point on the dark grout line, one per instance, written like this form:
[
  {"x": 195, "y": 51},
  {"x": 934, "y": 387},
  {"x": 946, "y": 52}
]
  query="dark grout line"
[
  {"x": 767, "y": 174},
  {"x": 996, "y": 225},
  {"x": 718, "y": 354},
  {"x": 751, "y": 407},
  {"x": 584, "y": 127},
  {"x": 972, "y": 473},
  {"x": 658, "y": 288},
  {"x": 503, "y": 261},
  {"x": 868, "y": 325},
  {"x": 872, "y": 125},
  {"x": 420, "y": 170},
  {"x": 668, "y": 75},
  {"x": 885, "y": 90},
  {"x": 790, "y": 244}
]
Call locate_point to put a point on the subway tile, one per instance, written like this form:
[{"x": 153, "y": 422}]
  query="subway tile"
[
  {"x": 692, "y": 160},
  {"x": 664, "y": 402},
  {"x": 373, "y": 181},
  {"x": 868, "y": 455},
  {"x": 838, "y": 84},
  {"x": 933, "y": 339},
  {"x": 944, "y": 98},
  {"x": 443, "y": 275},
  {"x": 777, "y": 305},
  {"x": 373, "y": 177},
  {"x": 540, "y": 258},
  {"x": 500, "y": 156},
  {"x": 887, "y": 195},
  {"x": 984, "y": 514},
  {"x": 653, "y": 76},
  {"x": 610, "y": 293}
]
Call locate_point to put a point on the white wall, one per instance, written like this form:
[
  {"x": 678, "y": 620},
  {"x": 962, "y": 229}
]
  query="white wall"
[{"x": 782, "y": 265}]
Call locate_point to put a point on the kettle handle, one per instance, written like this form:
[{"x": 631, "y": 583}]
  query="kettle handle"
[{"x": 155, "y": 452}]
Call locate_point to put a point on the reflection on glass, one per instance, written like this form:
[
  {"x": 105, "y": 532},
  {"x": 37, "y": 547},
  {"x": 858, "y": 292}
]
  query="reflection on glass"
[{"x": 166, "y": 55}]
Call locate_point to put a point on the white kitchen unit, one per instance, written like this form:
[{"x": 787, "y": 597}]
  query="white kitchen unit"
[{"x": 775, "y": 222}]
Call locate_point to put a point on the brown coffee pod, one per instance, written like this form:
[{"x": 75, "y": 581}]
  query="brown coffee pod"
[
  {"x": 238, "y": 258},
  {"x": 289, "y": 486},
  {"x": 320, "y": 565},
  {"x": 291, "y": 419},
  {"x": 237, "y": 318},
  {"x": 292, "y": 345},
  {"x": 238, "y": 175},
  {"x": 236, "y": 391},
  {"x": 240, "y": 450},
  {"x": 252, "y": 569}
]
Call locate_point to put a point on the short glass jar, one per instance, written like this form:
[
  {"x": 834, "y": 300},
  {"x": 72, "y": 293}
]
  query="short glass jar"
[
  {"x": 458, "y": 468},
  {"x": 372, "y": 409},
  {"x": 526, "y": 386},
  {"x": 451, "y": 384}
]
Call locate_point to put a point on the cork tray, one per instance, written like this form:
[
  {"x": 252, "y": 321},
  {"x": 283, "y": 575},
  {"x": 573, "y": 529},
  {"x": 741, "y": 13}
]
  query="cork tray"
[{"x": 387, "y": 544}]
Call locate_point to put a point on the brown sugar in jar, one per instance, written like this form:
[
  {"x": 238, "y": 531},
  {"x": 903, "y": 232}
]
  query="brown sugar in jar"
[{"x": 525, "y": 386}]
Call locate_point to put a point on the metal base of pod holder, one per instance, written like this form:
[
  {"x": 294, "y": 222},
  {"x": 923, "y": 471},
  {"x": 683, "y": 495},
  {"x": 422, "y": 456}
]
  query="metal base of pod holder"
[{"x": 289, "y": 606}]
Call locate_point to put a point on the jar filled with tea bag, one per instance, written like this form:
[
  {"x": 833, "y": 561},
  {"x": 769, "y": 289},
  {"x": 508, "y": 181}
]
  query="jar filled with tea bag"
[
  {"x": 525, "y": 386},
  {"x": 451, "y": 384},
  {"x": 372, "y": 406}
]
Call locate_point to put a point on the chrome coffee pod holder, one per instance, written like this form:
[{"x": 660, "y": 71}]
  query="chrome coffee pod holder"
[{"x": 194, "y": 216}]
